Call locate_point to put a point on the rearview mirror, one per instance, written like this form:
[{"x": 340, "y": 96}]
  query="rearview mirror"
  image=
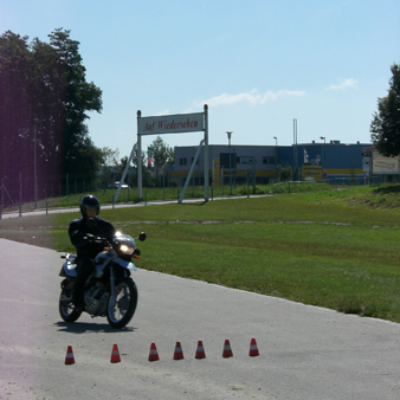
[{"x": 142, "y": 237}]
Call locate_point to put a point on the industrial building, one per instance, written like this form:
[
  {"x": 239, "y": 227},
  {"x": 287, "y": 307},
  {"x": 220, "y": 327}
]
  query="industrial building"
[{"x": 245, "y": 163}]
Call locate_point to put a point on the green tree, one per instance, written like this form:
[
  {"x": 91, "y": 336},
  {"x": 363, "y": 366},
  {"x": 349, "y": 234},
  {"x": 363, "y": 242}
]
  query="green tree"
[
  {"x": 385, "y": 126},
  {"x": 44, "y": 101},
  {"x": 162, "y": 154},
  {"x": 16, "y": 135},
  {"x": 79, "y": 98},
  {"x": 109, "y": 156},
  {"x": 285, "y": 172},
  {"x": 107, "y": 169}
]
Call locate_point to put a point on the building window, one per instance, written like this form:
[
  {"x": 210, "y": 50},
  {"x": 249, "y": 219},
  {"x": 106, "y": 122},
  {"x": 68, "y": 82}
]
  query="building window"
[
  {"x": 268, "y": 160},
  {"x": 183, "y": 161},
  {"x": 246, "y": 160}
]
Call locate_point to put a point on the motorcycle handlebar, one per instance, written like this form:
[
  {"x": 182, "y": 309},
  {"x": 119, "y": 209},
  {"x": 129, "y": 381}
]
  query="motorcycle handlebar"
[{"x": 98, "y": 240}]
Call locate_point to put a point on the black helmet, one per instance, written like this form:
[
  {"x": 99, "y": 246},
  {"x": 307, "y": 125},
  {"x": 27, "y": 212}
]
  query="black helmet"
[{"x": 89, "y": 201}]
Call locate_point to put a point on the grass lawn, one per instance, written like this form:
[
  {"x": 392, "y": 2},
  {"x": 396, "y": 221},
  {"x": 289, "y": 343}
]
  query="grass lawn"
[{"x": 335, "y": 249}]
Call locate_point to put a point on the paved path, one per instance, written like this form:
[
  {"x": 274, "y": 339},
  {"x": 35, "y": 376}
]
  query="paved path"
[
  {"x": 305, "y": 352},
  {"x": 59, "y": 210}
]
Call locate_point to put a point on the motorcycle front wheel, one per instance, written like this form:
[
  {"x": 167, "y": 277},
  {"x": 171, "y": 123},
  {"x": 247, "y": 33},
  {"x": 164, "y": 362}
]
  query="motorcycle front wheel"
[
  {"x": 120, "y": 312},
  {"x": 67, "y": 310}
]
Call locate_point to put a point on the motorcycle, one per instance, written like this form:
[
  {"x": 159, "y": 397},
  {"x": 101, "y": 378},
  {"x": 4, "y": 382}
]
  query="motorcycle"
[{"x": 109, "y": 291}]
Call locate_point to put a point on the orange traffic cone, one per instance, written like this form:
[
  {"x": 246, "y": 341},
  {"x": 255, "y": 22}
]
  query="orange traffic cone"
[
  {"x": 69, "y": 357},
  {"x": 115, "y": 357},
  {"x": 178, "y": 353},
  {"x": 200, "y": 353},
  {"x": 153, "y": 356},
  {"x": 227, "y": 352},
  {"x": 253, "y": 348}
]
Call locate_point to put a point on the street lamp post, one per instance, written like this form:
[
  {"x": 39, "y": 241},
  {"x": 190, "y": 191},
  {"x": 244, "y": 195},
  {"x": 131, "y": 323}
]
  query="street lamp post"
[
  {"x": 35, "y": 166},
  {"x": 323, "y": 151},
  {"x": 229, "y": 133},
  {"x": 276, "y": 158}
]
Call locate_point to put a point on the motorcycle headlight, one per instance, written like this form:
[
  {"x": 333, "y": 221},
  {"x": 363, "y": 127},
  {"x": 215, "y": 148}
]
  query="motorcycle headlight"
[{"x": 124, "y": 246}]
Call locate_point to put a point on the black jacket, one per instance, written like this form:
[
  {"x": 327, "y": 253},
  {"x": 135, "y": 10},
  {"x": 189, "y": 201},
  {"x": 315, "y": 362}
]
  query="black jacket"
[{"x": 78, "y": 230}]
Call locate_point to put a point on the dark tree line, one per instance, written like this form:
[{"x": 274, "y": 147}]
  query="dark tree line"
[
  {"x": 385, "y": 126},
  {"x": 44, "y": 101}
]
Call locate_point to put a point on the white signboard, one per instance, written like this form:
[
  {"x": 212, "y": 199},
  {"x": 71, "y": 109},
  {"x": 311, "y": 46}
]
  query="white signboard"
[
  {"x": 179, "y": 123},
  {"x": 385, "y": 165}
]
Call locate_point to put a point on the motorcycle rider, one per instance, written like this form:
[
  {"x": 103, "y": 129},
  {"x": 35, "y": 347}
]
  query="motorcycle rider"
[{"x": 83, "y": 233}]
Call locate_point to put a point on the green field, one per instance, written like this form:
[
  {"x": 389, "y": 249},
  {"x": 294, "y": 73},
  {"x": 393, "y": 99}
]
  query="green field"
[
  {"x": 106, "y": 196},
  {"x": 335, "y": 248}
]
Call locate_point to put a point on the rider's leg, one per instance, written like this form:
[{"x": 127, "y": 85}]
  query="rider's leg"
[{"x": 84, "y": 269}]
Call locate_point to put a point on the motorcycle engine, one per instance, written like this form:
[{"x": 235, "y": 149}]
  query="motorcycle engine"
[{"x": 96, "y": 300}]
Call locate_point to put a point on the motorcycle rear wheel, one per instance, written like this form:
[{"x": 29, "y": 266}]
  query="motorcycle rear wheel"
[
  {"x": 67, "y": 310},
  {"x": 120, "y": 313}
]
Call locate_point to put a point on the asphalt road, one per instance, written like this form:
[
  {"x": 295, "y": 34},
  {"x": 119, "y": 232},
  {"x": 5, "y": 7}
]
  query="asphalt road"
[
  {"x": 305, "y": 352},
  {"x": 58, "y": 210}
]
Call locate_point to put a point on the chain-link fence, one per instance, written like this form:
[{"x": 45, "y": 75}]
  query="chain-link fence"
[{"x": 25, "y": 194}]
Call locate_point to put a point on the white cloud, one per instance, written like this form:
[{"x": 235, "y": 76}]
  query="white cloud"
[
  {"x": 161, "y": 113},
  {"x": 345, "y": 84},
  {"x": 252, "y": 97}
]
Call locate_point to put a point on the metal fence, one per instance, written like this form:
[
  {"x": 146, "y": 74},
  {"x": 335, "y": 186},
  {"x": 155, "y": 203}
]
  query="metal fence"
[{"x": 25, "y": 194}]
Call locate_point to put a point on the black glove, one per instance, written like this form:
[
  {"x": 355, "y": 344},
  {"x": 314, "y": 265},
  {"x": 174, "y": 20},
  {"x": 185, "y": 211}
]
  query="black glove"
[{"x": 90, "y": 238}]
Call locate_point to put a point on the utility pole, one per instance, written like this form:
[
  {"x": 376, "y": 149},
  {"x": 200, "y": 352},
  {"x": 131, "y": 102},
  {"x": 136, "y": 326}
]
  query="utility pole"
[
  {"x": 295, "y": 148},
  {"x": 229, "y": 133}
]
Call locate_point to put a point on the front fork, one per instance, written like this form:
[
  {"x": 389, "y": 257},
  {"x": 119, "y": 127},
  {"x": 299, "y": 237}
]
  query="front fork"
[
  {"x": 64, "y": 285},
  {"x": 112, "y": 283}
]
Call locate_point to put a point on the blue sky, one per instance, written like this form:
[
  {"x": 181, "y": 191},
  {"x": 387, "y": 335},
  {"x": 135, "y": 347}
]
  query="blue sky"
[{"x": 258, "y": 64}]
